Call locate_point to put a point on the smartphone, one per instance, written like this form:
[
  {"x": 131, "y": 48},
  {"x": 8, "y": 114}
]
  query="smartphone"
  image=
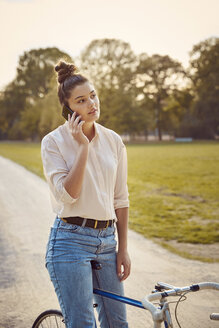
[{"x": 66, "y": 110}]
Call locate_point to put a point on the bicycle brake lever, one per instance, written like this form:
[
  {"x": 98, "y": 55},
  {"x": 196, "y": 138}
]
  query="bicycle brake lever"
[{"x": 164, "y": 285}]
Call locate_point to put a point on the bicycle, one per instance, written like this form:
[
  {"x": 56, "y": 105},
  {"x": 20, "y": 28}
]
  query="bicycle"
[{"x": 160, "y": 312}]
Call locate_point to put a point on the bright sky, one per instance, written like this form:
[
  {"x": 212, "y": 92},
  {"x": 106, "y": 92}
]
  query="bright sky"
[{"x": 153, "y": 26}]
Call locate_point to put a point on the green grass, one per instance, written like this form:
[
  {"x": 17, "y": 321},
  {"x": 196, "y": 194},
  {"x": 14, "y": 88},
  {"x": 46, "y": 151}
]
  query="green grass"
[
  {"x": 25, "y": 154},
  {"x": 174, "y": 191},
  {"x": 174, "y": 188},
  {"x": 188, "y": 255}
]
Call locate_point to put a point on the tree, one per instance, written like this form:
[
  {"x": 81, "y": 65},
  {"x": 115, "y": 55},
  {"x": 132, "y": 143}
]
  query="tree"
[
  {"x": 51, "y": 111},
  {"x": 178, "y": 113},
  {"x": 35, "y": 70},
  {"x": 20, "y": 114},
  {"x": 204, "y": 68},
  {"x": 110, "y": 65},
  {"x": 12, "y": 102},
  {"x": 157, "y": 78},
  {"x": 43, "y": 116}
]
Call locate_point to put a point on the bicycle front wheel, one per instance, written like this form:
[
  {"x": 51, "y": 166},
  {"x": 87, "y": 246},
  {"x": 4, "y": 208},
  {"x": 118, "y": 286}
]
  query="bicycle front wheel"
[{"x": 50, "y": 319}]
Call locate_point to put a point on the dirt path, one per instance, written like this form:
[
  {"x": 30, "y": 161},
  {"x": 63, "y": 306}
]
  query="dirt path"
[{"x": 25, "y": 288}]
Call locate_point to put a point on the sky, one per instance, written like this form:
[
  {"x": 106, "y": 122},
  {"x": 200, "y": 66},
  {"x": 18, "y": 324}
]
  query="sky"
[{"x": 165, "y": 27}]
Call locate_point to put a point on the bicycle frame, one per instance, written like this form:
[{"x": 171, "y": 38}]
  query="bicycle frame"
[
  {"x": 119, "y": 298},
  {"x": 162, "y": 313},
  {"x": 136, "y": 303}
]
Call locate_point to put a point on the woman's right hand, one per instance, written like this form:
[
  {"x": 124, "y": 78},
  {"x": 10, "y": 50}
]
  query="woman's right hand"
[{"x": 76, "y": 129}]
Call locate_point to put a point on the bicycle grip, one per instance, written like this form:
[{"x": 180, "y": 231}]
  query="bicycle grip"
[{"x": 214, "y": 316}]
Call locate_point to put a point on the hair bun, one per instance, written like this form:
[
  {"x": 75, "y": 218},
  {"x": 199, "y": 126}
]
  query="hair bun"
[{"x": 65, "y": 70}]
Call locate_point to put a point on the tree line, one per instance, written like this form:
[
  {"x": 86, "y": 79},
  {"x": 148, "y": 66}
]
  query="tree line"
[{"x": 139, "y": 94}]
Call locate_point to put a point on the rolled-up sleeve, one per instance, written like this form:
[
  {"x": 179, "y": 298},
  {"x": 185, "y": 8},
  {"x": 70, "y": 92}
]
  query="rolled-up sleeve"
[
  {"x": 121, "y": 195},
  {"x": 55, "y": 170}
]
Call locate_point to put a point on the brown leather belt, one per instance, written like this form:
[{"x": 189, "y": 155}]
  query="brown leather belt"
[{"x": 90, "y": 223}]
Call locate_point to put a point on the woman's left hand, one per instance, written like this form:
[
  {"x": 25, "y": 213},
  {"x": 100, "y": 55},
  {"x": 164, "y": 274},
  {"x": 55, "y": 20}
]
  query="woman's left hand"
[{"x": 123, "y": 265}]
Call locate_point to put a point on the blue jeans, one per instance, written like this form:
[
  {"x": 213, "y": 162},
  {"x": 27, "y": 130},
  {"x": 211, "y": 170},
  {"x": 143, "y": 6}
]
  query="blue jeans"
[{"x": 69, "y": 252}]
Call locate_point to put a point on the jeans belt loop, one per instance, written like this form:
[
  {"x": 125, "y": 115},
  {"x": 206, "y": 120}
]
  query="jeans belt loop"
[
  {"x": 84, "y": 222},
  {"x": 95, "y": 224}
]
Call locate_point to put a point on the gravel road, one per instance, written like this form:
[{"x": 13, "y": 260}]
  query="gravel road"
[{"x": 25, "y": 287}]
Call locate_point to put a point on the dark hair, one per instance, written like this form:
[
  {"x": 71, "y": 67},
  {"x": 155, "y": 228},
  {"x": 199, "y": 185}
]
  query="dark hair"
[{"x": 68, "y": 79}]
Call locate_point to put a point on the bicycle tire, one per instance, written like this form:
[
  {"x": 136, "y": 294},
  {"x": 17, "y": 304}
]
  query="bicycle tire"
[{"x": 50, "y": 319}]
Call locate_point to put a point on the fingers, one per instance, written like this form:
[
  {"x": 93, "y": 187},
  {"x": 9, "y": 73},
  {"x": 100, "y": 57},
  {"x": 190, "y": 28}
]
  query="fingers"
[
  {"x": 80, "y": 125},
  {"x": 123, "y": 268},
  {"x": 75, "y": 127},
  {"x": 119, "y": 269},
  {"x": 74, "y": 123},
  {"x": 125, "y": 273},
  {"x": 74, "y": 119}
]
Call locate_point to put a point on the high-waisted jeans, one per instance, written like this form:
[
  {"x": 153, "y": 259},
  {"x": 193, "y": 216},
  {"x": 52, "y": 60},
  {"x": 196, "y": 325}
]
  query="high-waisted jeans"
[{"x": 70, "y": 250}]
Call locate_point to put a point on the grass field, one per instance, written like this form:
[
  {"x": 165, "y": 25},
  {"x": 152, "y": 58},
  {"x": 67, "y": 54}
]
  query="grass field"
[{"x": 174, "y": 188}]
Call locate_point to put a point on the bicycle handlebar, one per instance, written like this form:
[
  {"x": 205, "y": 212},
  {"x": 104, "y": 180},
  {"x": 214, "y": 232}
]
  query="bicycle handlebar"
[
  {"x": 214, "y": 316},
  {"x": 169, "y": 290},
  {"x": 174, "y": 291}
]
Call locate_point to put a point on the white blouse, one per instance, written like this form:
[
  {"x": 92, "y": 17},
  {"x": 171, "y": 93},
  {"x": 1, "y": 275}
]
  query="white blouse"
[{"x": 104, "y": 187}]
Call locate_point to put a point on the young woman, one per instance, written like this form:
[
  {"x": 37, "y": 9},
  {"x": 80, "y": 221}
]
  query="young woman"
[{"x": 85, "y": 165}]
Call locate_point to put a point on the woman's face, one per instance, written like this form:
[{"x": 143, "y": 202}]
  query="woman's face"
[{"x": 85, "y": 102}]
